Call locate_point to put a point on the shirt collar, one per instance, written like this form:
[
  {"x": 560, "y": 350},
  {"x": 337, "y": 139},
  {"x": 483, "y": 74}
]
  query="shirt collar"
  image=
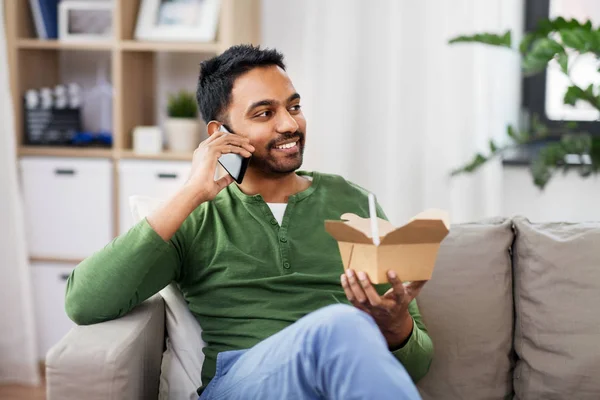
[{"x": 237, "y": 192}]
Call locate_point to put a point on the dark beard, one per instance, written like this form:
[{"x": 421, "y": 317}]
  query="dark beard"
[{"x": 272, "y": 166}]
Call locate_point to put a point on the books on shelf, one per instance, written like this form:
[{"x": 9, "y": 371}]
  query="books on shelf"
[{"x": 45, "y": 18}]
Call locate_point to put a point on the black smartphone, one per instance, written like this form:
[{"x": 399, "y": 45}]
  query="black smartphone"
[{"x": 235, "y": 164}]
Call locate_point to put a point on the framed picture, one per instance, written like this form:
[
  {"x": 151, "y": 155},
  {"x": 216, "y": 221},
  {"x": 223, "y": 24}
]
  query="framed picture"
[
  {"x": 85, "y": 20},
  {"x": 178, "y": 20}
]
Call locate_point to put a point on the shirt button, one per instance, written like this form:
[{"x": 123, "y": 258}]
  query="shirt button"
[
  {"x": 273, "y": 221},
  {"x": 286, "y": 265},
  {"x": 283, "y": 240}
]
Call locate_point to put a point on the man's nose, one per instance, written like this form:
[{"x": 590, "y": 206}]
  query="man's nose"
[{"x": 286, "y": 123}]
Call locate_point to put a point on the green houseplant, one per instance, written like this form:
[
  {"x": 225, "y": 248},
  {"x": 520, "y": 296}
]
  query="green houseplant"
[
  {"x": 182, "y": 127},
  {"x": 557, "y": 41}
]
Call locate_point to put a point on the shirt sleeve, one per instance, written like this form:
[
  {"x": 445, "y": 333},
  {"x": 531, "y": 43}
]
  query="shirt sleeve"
[
  {"x": 127, "y": 271},
  {"x": 417, "y": 353}
]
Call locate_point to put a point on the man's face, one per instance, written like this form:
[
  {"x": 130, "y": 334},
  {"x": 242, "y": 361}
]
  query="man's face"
[{"x": 266, "y": 108}]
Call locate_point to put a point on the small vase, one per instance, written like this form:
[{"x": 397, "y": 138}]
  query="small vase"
[{"x": 183, "y": 134}]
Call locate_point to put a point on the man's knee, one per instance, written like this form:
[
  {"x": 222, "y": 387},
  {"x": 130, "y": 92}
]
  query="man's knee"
[{"x": 342, "y": 320}]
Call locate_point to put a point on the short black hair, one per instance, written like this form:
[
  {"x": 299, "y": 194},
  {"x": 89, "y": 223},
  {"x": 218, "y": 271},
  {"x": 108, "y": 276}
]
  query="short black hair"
[{"x": 218, "y": 74}]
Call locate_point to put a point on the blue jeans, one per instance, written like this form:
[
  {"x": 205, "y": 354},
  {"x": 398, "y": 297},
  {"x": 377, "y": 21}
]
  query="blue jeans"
[{"x": 337, "y": 352}]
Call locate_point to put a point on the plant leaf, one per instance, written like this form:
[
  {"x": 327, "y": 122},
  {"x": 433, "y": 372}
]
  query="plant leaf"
[
  {"x": 542, "y": 51},
  {"x": 575, "y": 39},
  {"x": 595, "y": 153},
  {"x": 510, "y": 131},
  {"x": 571, "y": 125},
  {"x": 563, "y": 61},
  {"x": 477, "y": 162},
  {"x": 493, "y": 39},
  {"x": 573, "y": 94},
  {"x": 538, "y": 129},
  {"x": 591, "y": 97},
  {"x": 182, "y": 105},
  {"x": 540, "y": 172},
  {"x": 528, "y": 38},
  {"x": 580, "y": 143}
]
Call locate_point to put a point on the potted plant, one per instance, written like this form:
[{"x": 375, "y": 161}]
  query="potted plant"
[
  {"x": 560, "y": 42},
  {"x": 182, "y": 127}
]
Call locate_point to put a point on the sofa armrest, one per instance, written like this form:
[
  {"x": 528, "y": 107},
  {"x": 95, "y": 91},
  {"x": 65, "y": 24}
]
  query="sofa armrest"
[{"x": 118, "y": 359}]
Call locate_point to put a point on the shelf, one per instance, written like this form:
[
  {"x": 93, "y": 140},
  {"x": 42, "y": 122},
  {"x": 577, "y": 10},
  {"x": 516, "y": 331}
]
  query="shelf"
[
  {"x": 53, "y": 151},
  {"x": 61, "y": 45},
  {"x": 127, "y": 45},
  {"x": 55, "y": 260},
  {"x": 95, "y": 152},
  {"x": 173, "y": 47},
  {"x": 129, "y": 154}
]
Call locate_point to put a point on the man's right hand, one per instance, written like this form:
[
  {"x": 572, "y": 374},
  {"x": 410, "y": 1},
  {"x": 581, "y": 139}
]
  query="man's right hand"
[
  {"x": 201, "y": 185},
  {"x": 204, "y": 164}
]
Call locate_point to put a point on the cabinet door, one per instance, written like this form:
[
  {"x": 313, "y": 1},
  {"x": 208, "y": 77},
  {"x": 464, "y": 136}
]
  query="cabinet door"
[
  {"x": 49, "y": 285},
  {"x": 68, "y": 205},
  {"x": 156, "y": 179}
]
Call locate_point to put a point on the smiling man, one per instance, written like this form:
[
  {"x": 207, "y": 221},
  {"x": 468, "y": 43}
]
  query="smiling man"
[{"x": 254, "y": 262}]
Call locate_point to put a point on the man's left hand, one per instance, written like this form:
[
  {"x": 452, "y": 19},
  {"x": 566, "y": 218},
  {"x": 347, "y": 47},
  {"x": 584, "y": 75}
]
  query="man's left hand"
[{"x": 389, "y": 311}]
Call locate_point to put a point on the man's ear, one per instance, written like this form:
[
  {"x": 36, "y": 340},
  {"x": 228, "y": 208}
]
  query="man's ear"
[{"x": 212, "y": 127}]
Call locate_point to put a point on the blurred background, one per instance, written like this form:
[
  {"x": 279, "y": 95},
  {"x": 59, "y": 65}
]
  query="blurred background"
[{"x": 97, "y": 104}]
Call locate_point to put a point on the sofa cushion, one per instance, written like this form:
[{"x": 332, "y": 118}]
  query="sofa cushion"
[
  {"x": 557, "y": 293},
  {"x": 468, "y": 309}
]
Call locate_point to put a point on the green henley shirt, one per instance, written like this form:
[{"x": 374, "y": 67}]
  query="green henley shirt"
[{"x": 244, "y": 276}]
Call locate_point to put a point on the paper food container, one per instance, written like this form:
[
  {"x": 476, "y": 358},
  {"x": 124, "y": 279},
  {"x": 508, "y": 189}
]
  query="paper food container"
[{"x": 410, "y": 250}]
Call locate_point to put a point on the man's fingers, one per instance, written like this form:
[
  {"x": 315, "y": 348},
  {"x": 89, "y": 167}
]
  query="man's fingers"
[
  {"x": 414, "y": 288},
  {"x": 355, "y": 287},
  {"x": 347, "y": 290},
  {"x": 370, "y": 291},
  {"x": 228, "y": 148},
  {"x": 224, "y": 181},
  {"x": 215, "y": 136},
  {"x": 236, "y": 140},
  {"x": 349, "y": 293},
  {"x": 397, "y": 286}
]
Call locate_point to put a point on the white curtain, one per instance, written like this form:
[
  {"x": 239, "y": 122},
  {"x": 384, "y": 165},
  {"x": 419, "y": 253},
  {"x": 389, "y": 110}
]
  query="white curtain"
[
  {"x": 17, "y": 334},
  {"x": 392, "y": 106}
]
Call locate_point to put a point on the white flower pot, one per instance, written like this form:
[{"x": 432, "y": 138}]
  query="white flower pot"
[{"x": 183, "y": 134}]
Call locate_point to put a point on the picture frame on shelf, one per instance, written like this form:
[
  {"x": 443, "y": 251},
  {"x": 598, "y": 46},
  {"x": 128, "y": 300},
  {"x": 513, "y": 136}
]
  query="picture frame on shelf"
[
  {"x": 84, "y": 21},
  {"x": 178, "y": 20}
]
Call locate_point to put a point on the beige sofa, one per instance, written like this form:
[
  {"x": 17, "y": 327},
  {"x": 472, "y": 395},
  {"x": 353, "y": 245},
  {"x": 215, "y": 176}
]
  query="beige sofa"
[{"x": 512, "y": 309}]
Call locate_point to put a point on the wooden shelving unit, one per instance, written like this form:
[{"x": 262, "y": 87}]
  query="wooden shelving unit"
[
  {"x": 34, "y": 63},
  {"x": 75, "y": 199}
]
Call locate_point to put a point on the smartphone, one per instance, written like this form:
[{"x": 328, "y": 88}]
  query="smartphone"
[{"x": 235, "y": 164}]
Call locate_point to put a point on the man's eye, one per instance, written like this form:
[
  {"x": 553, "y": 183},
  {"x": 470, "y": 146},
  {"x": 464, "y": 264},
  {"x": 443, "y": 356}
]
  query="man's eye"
[
  {"x": 265, "y": 113},
  {"x": 297, "y": 107}
]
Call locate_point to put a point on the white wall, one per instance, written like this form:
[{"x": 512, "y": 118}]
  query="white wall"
[{"x": 565, "y": 198}]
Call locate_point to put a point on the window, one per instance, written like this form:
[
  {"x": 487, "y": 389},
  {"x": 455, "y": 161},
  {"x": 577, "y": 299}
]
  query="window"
[{"x": 543, "y": 93}]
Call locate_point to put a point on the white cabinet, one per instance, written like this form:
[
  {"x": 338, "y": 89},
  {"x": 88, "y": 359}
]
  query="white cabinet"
[
  {"x": 156, "y": 179},
  {"x": 68, "y": 205},
  {"x": 49, "y": 285}
]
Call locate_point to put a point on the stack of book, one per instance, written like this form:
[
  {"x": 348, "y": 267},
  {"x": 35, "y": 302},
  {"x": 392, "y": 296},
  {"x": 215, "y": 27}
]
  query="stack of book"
[{"x": 45, "y": 18}]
